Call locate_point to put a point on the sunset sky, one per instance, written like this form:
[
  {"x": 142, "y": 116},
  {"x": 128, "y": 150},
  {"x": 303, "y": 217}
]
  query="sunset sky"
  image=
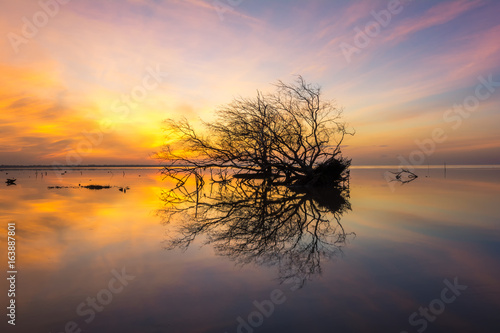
[{"x": 89, "y": 82}]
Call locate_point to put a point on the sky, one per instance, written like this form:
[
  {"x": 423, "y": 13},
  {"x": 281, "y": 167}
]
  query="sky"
[{"x": 90, "y": 82}]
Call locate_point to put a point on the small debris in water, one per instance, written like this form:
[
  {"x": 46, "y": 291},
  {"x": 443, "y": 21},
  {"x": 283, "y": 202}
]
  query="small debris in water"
[
  {"x": 123, "y": 189},
  {"x": 96, "y": 187},
  {"x": 91, "y": 187}
]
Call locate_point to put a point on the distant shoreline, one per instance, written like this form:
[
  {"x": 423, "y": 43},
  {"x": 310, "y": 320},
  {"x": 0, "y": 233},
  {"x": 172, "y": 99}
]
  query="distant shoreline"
[
  {"x": 76, "y": 167},
  {"x": 150, "y": 166}
]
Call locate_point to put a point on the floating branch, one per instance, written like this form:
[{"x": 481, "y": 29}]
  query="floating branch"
[
  {"x": 404, "y": 176},
  {"x": 91, "y": 187},
  {"x": 96, "y": 187}
]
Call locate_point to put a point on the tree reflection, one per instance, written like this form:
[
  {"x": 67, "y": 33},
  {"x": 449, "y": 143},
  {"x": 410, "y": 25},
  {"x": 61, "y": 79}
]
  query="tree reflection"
[{"x": 255, "y": 221}]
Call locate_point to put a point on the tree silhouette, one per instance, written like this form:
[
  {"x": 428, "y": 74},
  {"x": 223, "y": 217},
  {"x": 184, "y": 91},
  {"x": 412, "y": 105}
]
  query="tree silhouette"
[
  {"x": 292, "y": 136},
  {"x": 255, "y": 221}
]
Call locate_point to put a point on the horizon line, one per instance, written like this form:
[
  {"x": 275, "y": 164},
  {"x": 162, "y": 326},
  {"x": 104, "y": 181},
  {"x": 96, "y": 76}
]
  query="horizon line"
[{"x": 160, "y": 166}]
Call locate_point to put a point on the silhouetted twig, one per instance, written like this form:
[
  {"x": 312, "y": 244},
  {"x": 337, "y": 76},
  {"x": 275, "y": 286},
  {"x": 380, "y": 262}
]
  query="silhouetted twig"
[{"x": 404, "y": 176}]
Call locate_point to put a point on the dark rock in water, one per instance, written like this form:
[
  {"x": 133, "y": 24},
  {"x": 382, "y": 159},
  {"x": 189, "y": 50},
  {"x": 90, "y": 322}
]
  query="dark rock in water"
[{"x": 123, "y": 189}]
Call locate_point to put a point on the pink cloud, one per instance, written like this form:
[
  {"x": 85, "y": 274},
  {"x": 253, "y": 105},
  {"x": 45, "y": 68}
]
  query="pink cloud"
[{"x": 437, "y": 15}]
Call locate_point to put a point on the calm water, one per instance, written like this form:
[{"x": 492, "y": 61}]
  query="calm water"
[{"x": 371, "y": 261}]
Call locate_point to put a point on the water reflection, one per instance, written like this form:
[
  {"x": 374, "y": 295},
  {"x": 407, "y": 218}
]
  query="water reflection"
[
  {"x": 411, "y": 240},
  {"x": 254, "y": 221}
]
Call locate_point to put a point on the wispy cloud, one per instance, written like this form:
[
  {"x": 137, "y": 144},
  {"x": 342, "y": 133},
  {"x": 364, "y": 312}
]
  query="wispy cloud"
[{"x": 437, "y": 15}]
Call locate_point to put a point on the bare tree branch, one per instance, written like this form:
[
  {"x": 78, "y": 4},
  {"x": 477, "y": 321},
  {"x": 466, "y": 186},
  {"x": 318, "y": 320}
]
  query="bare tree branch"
[{"x": 291, "y": 135}]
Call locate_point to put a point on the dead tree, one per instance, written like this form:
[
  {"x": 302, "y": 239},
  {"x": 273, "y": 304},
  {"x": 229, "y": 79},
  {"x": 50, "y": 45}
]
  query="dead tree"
[{"x": 291, "y": 135}]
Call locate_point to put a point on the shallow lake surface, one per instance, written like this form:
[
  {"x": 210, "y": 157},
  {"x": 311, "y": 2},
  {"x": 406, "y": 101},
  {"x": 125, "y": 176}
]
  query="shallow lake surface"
[{"x": 422, "y": 256}]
